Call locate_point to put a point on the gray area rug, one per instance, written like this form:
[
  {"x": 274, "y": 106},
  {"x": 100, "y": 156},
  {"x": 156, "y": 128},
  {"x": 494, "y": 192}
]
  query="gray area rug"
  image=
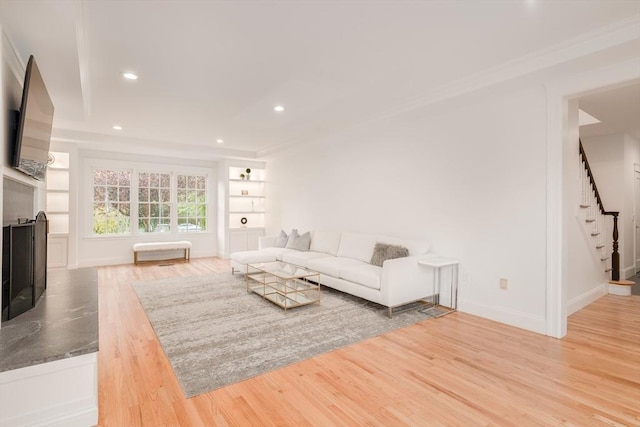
[{"x": 214, "y": 333}]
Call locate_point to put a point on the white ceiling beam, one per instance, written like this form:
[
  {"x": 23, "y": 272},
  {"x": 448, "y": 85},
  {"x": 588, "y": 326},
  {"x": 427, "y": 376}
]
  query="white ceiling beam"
[{"x": 81, "y": 20}]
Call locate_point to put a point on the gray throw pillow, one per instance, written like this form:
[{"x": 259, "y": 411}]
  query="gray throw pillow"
[
  {"x": 385, "y": 251},
  {"x": 292, "y": 237},
  {"x": 300, "y": 243},
  {"x": 281, "y": 240}
]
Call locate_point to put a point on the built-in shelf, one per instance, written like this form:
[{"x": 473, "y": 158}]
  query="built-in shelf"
[
  {"x": 247, "y": 181},
  {"x": 58, "y": 209},
  {"x": 244, "y": 208}
]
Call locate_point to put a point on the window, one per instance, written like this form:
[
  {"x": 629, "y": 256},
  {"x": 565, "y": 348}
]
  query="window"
[
  {"x": 128, "y": 198},
  {"x": 192, "y": 203},
  {"x": 111, "y": 201},
  {"x": 154, "y": 202}
]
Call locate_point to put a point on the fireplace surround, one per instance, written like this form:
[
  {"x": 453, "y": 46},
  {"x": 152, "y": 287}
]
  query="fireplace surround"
[{"x": 24, "y": 265}]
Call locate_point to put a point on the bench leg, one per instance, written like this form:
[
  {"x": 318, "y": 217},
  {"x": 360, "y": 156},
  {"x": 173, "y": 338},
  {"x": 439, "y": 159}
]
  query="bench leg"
[
  {"x": 135, "y": 258},
  {"x": 187, "y": 254}
]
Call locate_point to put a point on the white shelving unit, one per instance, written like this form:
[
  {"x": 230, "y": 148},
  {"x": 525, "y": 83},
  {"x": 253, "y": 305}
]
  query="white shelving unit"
[
  {"x": 58, "y": 209},
  {"x": 243, "y": 199}
]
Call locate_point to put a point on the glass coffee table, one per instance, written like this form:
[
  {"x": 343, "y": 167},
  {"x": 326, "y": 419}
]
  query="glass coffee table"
[{"x": 286, "y": 285}]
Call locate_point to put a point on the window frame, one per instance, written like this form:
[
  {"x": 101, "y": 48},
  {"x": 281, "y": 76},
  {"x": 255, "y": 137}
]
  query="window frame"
[
  {"x": 136, "y": 168},
  {"x": 187, "y": 189},
  {"x": 92, "y": 200},
  {"x": 149, "y": 202}
]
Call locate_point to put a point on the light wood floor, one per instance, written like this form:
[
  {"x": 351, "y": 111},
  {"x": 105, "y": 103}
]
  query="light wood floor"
[{"x": 455, "y": 370}]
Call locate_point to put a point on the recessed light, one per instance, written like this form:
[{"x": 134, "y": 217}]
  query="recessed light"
[
  {"x": 117, "y": 127},
  {"x": 219, "y": 141},
  {"x": 130, "y": 76},
  {"x": 278, "y": 108}
]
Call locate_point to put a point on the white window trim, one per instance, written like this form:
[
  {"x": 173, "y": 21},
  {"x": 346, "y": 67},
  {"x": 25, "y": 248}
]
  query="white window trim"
[{"x": 86, "y": 216}]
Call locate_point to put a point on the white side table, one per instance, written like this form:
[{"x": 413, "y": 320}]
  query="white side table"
[{"x": 438, "y": 263}]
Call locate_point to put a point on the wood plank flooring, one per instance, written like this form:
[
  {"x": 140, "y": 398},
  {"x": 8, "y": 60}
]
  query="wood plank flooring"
[{"x": 458, "y": 370}]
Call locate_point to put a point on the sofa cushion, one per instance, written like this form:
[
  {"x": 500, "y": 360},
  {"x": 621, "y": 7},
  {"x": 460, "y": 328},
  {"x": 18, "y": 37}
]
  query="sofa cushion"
[
  {"x": 357, "y": 246},
  {"x": 331, "y": 265},
  {"x": 302, "y": 258},
  {"x": 365, "y": 275},
  {"x": 385, "y": 251},
  {"x": 277, "y": 252},
  {"x": 252, "y": 257},
  {"x": 327, "y": 242}
]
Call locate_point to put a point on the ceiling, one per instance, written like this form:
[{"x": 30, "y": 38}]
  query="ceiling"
[
  {"x": 617, "y": 108},
  {"x": 213, "y": 70}
]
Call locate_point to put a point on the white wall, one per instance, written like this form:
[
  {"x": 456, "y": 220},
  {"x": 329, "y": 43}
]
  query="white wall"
[
  {"x": 472, "y": 181},
  {"x": 631, "y": 159},
  {"x": 92, "y": 250},
  {"x": 585, "y": 271}
]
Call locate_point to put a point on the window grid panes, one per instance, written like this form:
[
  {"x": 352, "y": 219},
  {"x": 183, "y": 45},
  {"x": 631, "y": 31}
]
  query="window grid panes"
[
  {"x": 111, "y": 201},
  {"x": 192, "y": 203},
  {"x": 154, "y": 202}
]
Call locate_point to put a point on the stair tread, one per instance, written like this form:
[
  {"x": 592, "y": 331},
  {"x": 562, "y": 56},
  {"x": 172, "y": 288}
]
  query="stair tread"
[{"x": 622, "y": 282}]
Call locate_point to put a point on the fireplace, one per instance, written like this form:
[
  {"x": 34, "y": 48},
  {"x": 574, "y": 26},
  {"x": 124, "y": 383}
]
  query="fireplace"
[{"x": 24, "y": 265}]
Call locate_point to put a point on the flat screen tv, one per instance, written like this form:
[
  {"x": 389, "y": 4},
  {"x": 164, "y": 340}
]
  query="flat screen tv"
[{"x": 33, "y": 127}]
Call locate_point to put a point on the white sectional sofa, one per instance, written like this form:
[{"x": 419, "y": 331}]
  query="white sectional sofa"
[{"x": 343, "y": 261}]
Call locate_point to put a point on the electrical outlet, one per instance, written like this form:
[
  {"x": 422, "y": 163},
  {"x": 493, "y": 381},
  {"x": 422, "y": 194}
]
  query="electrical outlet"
[{"x": 504, "y": 284}]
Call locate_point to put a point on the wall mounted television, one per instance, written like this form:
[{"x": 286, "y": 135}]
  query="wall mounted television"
[{"x": 33, "y": 125}]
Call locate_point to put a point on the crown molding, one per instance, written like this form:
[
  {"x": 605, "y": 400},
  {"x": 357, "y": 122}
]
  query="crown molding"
[
  {"x": 599, "y": 40},
  {"x": 10, "y": 54},
  {"x": 595, "y": 41},
  {"x": 111, "y": 143}
]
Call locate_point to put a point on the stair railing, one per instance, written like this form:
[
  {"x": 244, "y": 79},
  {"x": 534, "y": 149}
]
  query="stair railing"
[{"x": 590, "y": 195}]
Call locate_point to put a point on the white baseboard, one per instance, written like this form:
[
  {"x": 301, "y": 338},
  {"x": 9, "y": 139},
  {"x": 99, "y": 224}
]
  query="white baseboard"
[
  {"x": 504, "y": 315},
  {"x": 97, "y": 262},
  {"x": 628, "y": 272},
  {"x": 586, "y": 298},
  {"x": 59, "y": 393}
]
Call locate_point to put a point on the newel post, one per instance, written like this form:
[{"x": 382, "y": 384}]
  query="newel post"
[{"x": 615, "y": 255}]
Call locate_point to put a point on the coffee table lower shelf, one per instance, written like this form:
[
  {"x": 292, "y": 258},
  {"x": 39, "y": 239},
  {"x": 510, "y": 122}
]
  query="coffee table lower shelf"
[
  {"x": 286, "y": 285},
  {"x": 286, "y": 300}
]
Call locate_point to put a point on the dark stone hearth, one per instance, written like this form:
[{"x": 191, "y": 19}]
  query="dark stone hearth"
[{"x": 63, "y": 324}]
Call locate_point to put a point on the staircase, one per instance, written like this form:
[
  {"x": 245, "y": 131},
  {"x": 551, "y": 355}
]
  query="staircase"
[{"x": 596, "y": 218}]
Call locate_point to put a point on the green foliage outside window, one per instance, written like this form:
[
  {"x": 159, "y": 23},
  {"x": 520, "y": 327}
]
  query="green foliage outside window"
[
  {"x": 111, "y": 201},
  {"x": 192, "y": 203}
]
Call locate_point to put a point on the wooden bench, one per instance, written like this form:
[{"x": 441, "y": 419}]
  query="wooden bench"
[{"x": 161, "y": 246}]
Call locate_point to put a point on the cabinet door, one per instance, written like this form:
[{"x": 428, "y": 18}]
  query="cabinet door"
[
  {"x": 252, "y": 239},
  {"x": 238, "y": 241},
  {"x": 58, "y": 249}
]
